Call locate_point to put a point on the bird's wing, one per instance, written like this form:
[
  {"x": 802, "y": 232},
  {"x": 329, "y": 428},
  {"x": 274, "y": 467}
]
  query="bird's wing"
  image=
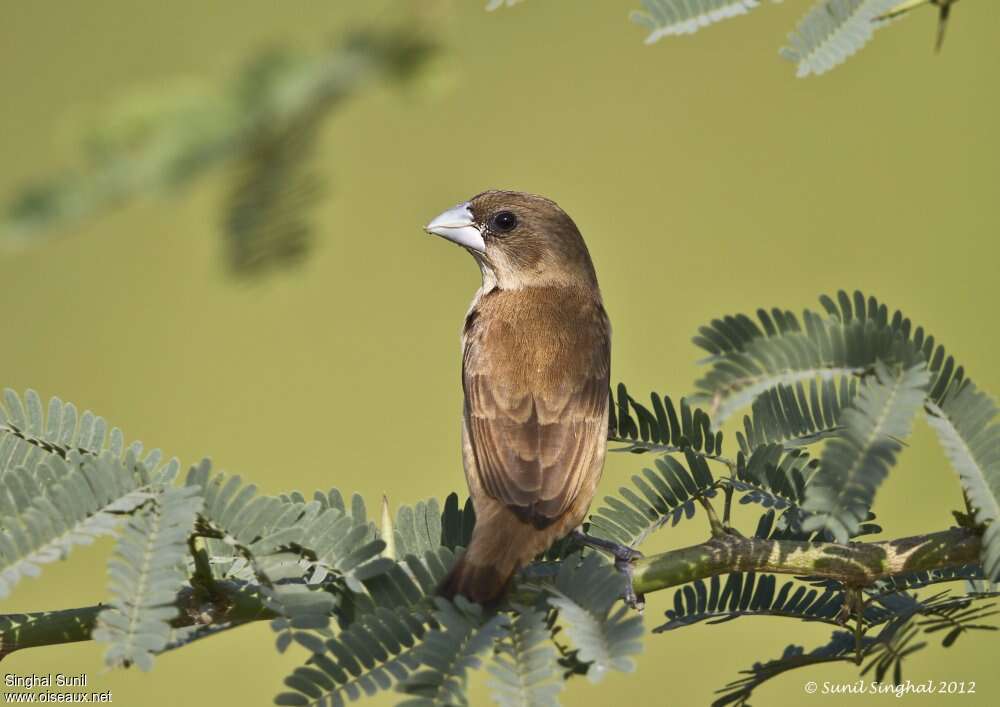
[{"x": 537, "y": 432}]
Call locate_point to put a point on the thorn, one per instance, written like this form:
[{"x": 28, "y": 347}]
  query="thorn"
[{"x": 387, "y": 531}]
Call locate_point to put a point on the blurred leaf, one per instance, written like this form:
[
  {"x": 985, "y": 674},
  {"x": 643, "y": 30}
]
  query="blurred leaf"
[
  {"x": 266, "y": 121},
  {"x": 492, "y": 5}
]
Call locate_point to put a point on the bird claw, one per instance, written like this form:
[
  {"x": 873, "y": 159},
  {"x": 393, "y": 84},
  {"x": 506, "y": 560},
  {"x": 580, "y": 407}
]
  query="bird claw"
[
  {"x": 624, "y": 556},
  {"x": 632, "y": 600}
]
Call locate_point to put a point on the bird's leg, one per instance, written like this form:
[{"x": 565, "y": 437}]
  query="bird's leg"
[{"x": 624, "y": 556}]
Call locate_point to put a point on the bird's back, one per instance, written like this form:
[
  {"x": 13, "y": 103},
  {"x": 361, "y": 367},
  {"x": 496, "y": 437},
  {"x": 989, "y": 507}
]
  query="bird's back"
[{"x": 535, "y": 375}]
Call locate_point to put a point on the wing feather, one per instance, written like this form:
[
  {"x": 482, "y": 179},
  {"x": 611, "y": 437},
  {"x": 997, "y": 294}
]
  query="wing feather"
[{"x": 536, "y": 405}]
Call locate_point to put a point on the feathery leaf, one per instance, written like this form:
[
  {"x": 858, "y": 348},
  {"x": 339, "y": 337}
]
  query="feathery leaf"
[
  {"x": 749, "y": 359},
  {"x": 832, "y": 31},
  {"x": 584, "y": 594},
  {"x": 664, "y": 429},
  {"x": 418, "y": 528},
  {"x": 88, "y": 500},
  {"x": 749, "y": 594},
  {"x": 964, "y": 422},
  {"x": 773, "y": 476},
  {"x": 457, "y": 523},
  {"x": 525, "y": 665},
  {"x": 665, "y": 495},
  {"x": 370, "y": 655},
  {"x": 146, "y": 571},
  {"x": 450, "y": 651},
  {"x": 665, "y": 18},
  {"x": 840, "y": 648},
  {"x": 853, "y": 465},
  {"x": 28, "y": 436},
  {"x": 795, "y": 418}
]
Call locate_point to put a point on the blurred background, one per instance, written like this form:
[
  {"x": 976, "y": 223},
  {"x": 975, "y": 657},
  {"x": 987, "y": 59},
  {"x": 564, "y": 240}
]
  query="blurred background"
[{"x": 706, "y": 179}]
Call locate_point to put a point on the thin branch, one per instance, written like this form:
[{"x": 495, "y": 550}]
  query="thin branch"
[
  {"x": 727, "y": 509},
  {"x": 855, "y": 564},
  {"x": 713, "y": 520},
  {"x": 233, "y": 603},
  {"x": 637, "y": 446}
]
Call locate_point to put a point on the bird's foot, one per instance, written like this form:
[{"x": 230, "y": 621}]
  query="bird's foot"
[
  {"x": 633, "y": 600},
  {"x": 624, "y": 557}
]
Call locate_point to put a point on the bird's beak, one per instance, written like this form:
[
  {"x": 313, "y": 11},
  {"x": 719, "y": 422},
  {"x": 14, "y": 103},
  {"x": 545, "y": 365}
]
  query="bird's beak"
[{"x": 458, "y": 225}]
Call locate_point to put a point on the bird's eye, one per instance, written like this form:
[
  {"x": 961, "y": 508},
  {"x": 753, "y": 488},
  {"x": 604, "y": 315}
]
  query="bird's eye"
[{"x": 504, "y": 221}]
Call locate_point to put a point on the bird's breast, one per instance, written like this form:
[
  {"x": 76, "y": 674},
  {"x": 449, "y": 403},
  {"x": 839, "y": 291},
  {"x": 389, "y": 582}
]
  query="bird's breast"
[{"x": 542, "y": 341}]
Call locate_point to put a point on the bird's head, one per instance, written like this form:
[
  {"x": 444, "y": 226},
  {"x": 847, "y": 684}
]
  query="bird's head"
[{"x": 519, "y": 240}]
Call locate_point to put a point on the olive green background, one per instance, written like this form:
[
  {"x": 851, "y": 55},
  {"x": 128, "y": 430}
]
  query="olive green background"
[{"x": 705, "y": 178}]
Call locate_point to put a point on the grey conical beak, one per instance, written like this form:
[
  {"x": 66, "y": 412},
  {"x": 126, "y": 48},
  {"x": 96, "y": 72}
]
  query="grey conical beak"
[{"x": 458, "y": 225}]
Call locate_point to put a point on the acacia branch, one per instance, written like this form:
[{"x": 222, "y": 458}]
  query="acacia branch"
[
  {"x": 230, "y": 603},
  {"x": 854, "y": 564}
]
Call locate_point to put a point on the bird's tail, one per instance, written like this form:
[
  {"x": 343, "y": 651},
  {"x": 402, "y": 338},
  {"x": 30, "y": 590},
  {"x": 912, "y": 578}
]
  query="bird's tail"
[{"x": 501, "y": 543}]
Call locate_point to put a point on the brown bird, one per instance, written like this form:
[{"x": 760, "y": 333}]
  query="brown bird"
[{"x": 535, "y": 365}]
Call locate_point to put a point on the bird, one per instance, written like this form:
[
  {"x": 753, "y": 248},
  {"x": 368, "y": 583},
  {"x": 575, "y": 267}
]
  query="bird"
[{"x": 536, "y": 354}]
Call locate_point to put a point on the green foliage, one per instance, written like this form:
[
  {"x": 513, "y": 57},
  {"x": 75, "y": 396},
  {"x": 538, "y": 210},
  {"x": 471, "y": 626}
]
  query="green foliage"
[
  {"x": 884, "y": 653},
  {"x": 359, "y": 596},
  {"x": 408, "y": 581},
  {"x": 266, "y": 221},
  {"x": 29, "y": 436},
  {"x": 880, "y": 654},
  {"x": 854, "y": 337},
  {"x": 840, "y": 647},
  {"x": 327, "y": 539},
  {"x": 917, "y": 580},
  {"x": 855, "y": 463},
  {"x": 832, "y": 31},
  {"x": 87, "y": 499},
  {"x": 964, "y": 422},
  {"x": 264, "y": 121},
  {"x": 662, "y": 429},
  {"x": 786, "y": 414},
  {"x": 448, "y": 652},
  {"x": 492, "y": 5},
  {"x": 774, "y": 477},
  {"x": 385, "y": 622},
  {"x": 665, "y": 495},
  {"x": 749, "y": 594},
  {"x": 585, "y": 593},
  {"x": 418, "y": 528},
  {"x": 525, "y": 665},
  {"x": 146, "y": 571},
  {"x": 829, "y": 33},
  {"x": 665, "y": 18},
  {"x": 890, "y": 649},
  {"x": 32, "y": 433},
  {"x": 370, "y": 655},
  {"x": 457, "y": 523},
  {"x": 957, "y": 618},
  {"x": 748, "y": 360},
  {"x": 783, "y": 352}
]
